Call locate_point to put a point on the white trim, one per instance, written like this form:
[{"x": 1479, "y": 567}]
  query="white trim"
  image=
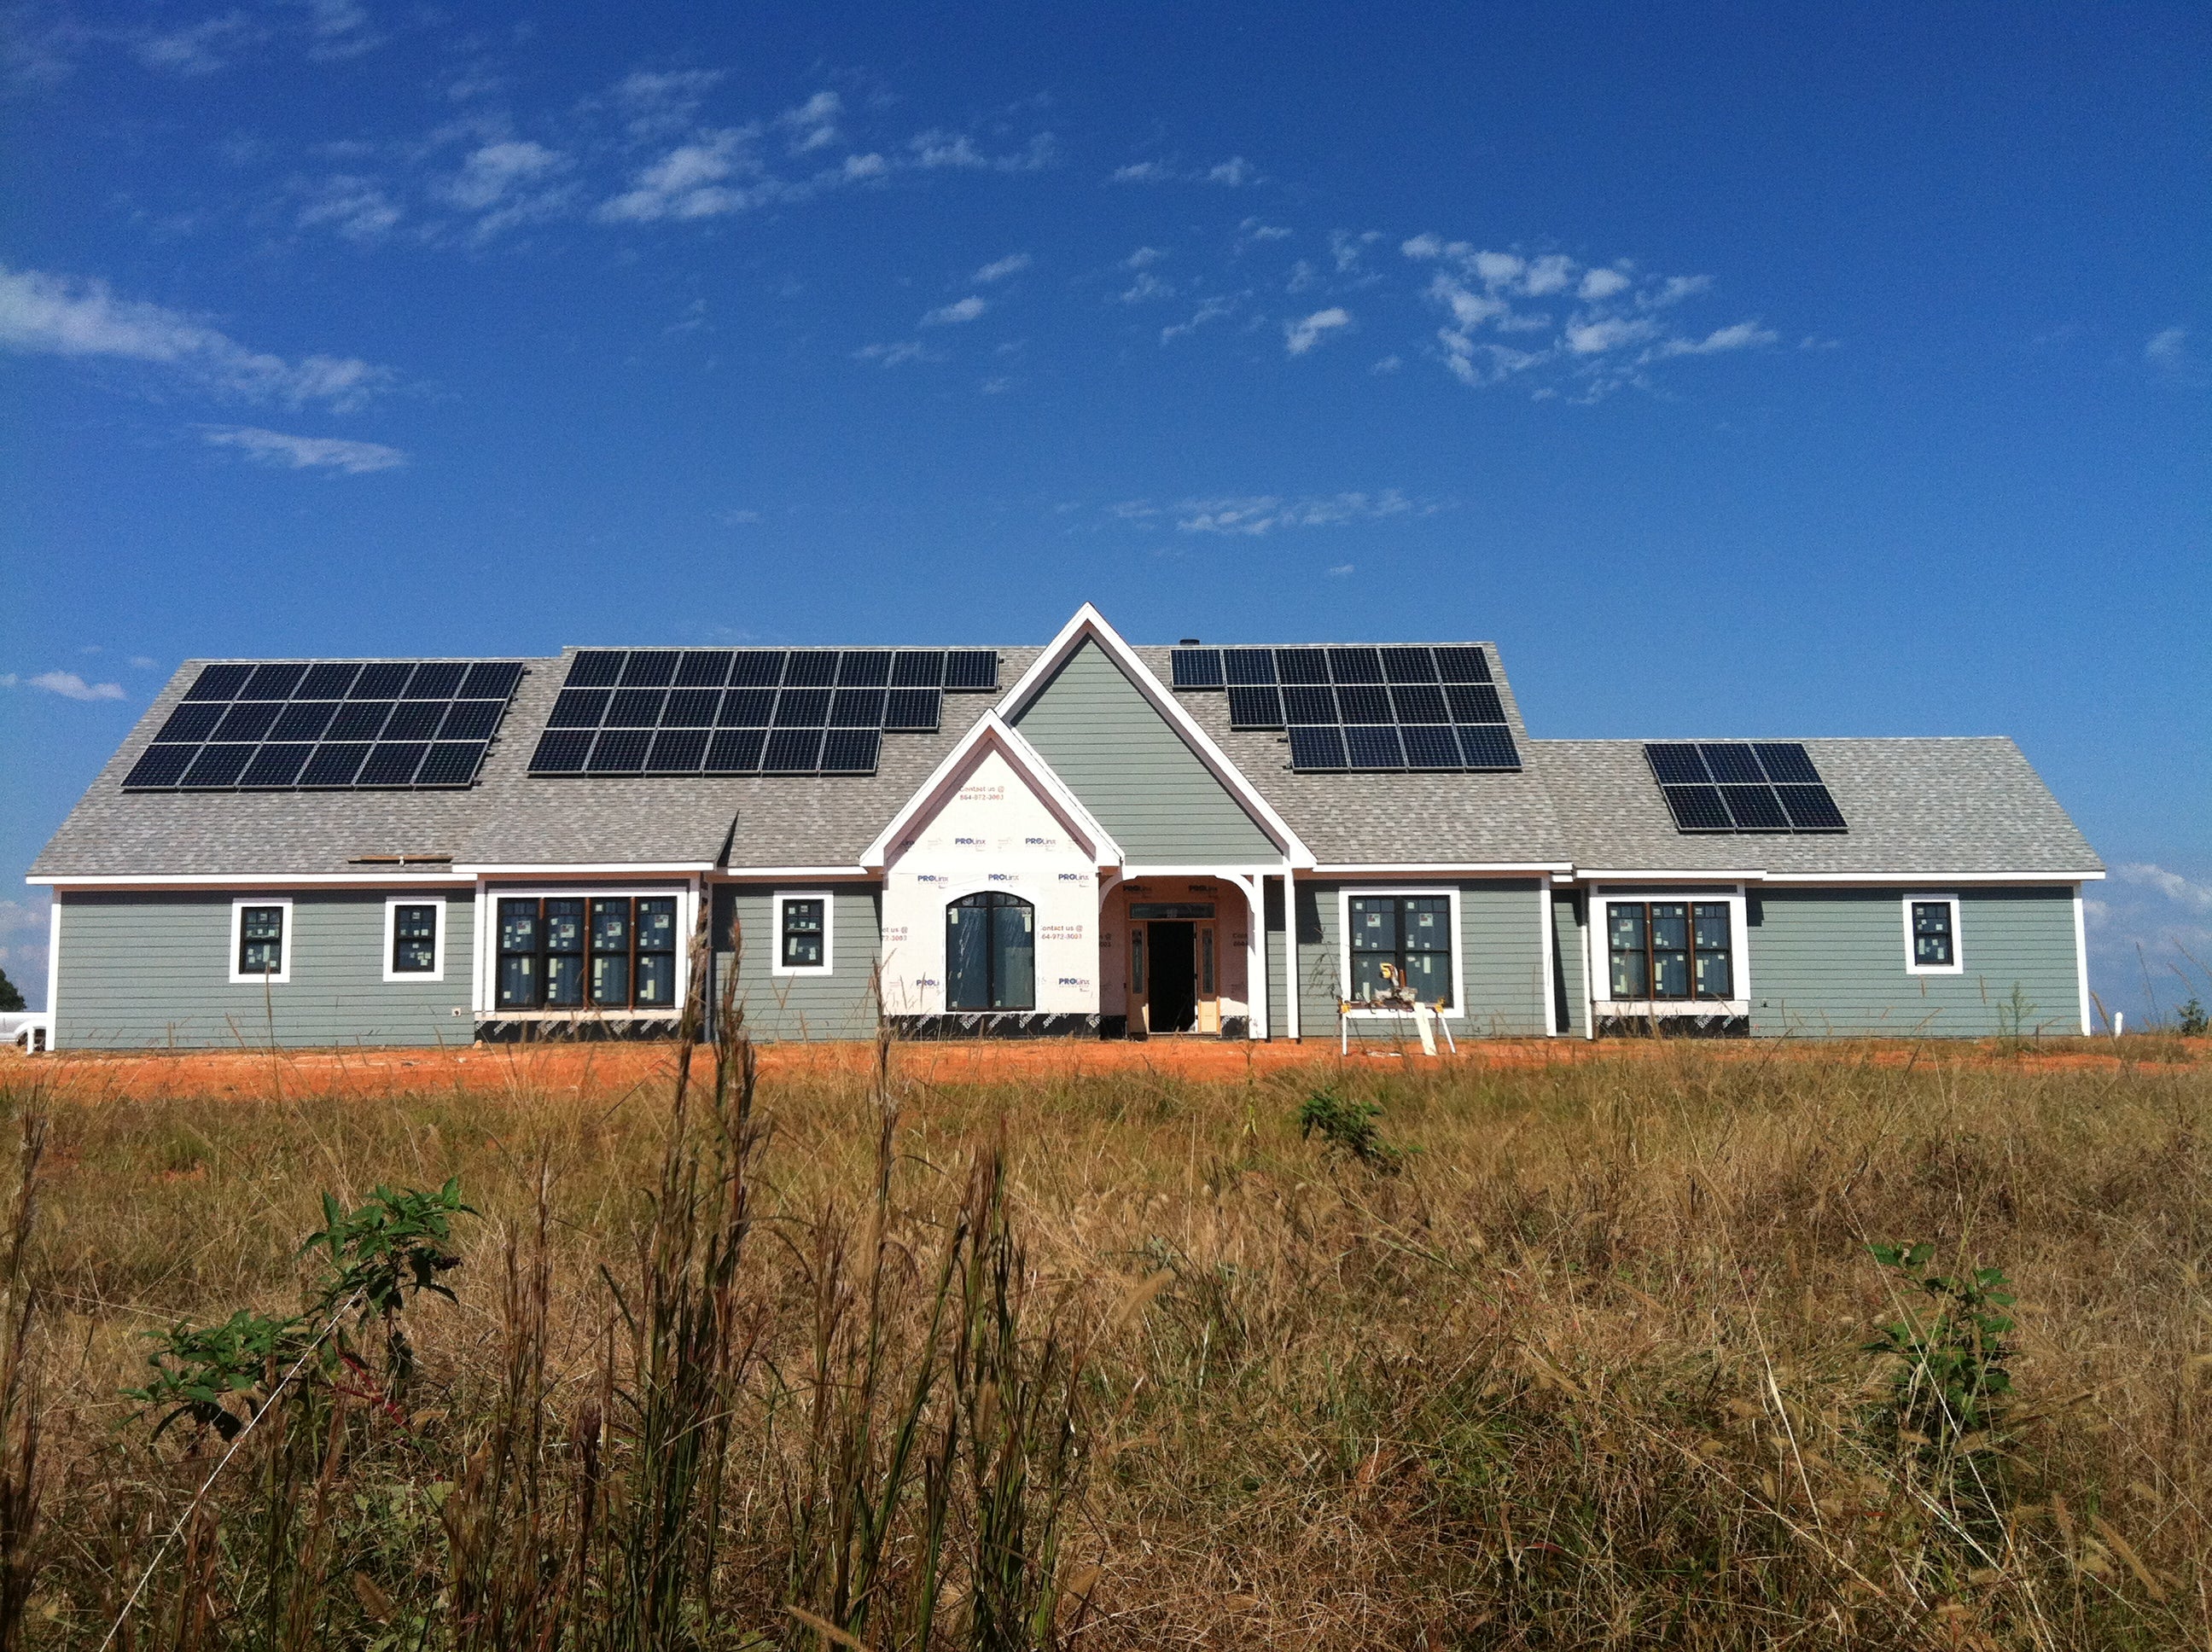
[
  {"x": 287, "y": 943},
  {"x": 793, "y": 874},
  {"x": 1923, "y": 897},
  {"x": 595, "y": 869},
  {"x": 479, "y": 973},
  {"x": 1548, "y": 947},
  {"x": 409, "y": 876},
  {"x": 437, "y": 969},
  {"x": 485, "y": 1005},
  {"x": 776, "y": 966},
  {"x": 2080, "y": 963},
  {"x": 1290, "y": 952},
  {"x": 1598, "y": 959},
  {"x": 1634, "y": 875},
  {"x": 53, "y": 968},
  {"x": 994, "y": 730},
  {"x": 1892, "y": 880},
  {"x": 1089, "y": 622},
  {"x": 1444, "y": 869},
  {"x": 1344, "y": 899},
  {"x": 1254, "y": 885}
]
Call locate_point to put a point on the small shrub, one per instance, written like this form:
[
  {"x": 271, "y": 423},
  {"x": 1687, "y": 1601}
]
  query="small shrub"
[
  {"x": 1347, "y": 1126},
  {"x": 2194, "y": 1022}
]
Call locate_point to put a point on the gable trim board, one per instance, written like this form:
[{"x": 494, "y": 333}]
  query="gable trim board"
[{"x": 1139, "y": 781}]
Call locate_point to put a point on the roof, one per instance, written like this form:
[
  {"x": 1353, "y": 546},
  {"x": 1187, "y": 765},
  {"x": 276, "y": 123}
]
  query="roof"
[
  {"x": 1933, "y": 807},
  {"x": 1940, "y": 807}
]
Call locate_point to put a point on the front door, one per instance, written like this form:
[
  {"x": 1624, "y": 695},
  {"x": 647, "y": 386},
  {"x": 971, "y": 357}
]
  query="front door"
[{"x": 1172, "y": 987}]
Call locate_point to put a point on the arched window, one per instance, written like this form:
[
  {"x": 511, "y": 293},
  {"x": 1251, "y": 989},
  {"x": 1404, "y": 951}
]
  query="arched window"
[{"x": 990, "y": 952}]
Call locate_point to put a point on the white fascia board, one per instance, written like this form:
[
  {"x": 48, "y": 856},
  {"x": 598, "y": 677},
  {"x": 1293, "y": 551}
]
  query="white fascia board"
[
  {"x": 793, "y": 874},
  {"x": 1441, "y": 868},
  {"x": 396, "y": 878},
  {"x": 608, "y": 869},
  {"x": 1089, "y": 622},
  {"x": 1662, "y": 876},
  {"x": 994, "y": 730},
  {"x": 1933, "y": 879}
]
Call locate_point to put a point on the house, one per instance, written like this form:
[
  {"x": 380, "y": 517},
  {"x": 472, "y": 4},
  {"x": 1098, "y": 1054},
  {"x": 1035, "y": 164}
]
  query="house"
[{"x": 1086, "y": 839}]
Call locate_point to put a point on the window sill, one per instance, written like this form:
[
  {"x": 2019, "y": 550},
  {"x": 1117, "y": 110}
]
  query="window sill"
[
  {"x": 1637, "y": 1009},
  {"x": 1363, "y": 1013},
  {"x": 502, "y": 1013}
]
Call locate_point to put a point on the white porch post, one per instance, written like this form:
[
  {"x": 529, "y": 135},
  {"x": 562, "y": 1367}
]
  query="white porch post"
[
  {"x": 1290, "y": 952},
  {"x": 1254, "y": 885}
]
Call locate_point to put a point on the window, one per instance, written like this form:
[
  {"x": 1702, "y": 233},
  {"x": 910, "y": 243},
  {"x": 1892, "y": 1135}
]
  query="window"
[
  {"x": 1931, "y": 935},
  {"x": 261, "y": 941},
  {"x": 990, "y": 953},
  {"x": 801, "y": 923},
  {"x": 1411, "y": 933},
  {"x": 414, "y": 939},
  {"x": 613, "y": 952},
  {"x": 1670, "y": 950}
]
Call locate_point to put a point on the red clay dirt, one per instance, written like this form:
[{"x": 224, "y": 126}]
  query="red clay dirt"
[{"x": 553, "y": 1069}]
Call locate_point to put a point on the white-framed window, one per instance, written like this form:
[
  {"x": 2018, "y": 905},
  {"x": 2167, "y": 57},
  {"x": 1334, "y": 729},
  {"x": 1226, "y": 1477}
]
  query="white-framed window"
[
  {"x": 260, "y": 940},
  {"x": 803, "y": 924},
  {"x": 1669, "y": 951},
  {"x": 1414, "y": 934},
  {"x": 415, "y": 938},
  {"x": 1932, "y": 941}
]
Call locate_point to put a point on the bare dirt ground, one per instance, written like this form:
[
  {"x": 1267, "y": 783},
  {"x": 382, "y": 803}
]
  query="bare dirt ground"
[{"x": 553, "y": 1069}]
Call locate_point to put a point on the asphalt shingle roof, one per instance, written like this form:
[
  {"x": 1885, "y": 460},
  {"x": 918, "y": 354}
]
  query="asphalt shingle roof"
[{"x": 1933, "y": 806}]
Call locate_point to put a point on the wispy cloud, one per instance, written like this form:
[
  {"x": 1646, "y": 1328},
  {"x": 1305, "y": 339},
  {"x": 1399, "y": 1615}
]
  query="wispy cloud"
[
  {"x": 202, "y": 48},
  {"x": 1299, "y": 336},
  {"x": 68, "y": 684},
  {"x": 692, "y": 180},
  {"x": 813, "y": 123},
  {"x": 2167, "y": 347},
  {"x": 1233, "y": 174},
  {"x": 304, "y": 452},
  {"x": 357, "y": 208},
  {"x": 502, "y": 183},
  {"x": 1212, "y": 309},
  {"x": 2185, "y": 893},
  {"x": 1236, "y": 172},
  {"x": 1252, "y": 516},
  {"x": 966, "y": 309},
  {"x": 892, "y": 355},
  {"x": 1141, "y": 171},
  {"x": 1012, "y": 264},
  {"x": 57, "y": 315}
]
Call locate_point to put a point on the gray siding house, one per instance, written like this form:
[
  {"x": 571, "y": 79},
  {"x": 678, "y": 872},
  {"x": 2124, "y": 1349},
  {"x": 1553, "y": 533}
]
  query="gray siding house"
[{"x": 1350, "y": 843}]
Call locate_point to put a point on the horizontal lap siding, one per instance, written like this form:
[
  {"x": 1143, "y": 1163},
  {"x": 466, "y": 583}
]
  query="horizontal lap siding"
[
  {"x": 1833, "y": 961},
  {"x": 1503, "y": 976},
  {"x": 1569, "y": 952},
  {"x": 154, "y": 969},
  {"x": 1134, "y": 773},
  {"x": 840, "y": 1004}
]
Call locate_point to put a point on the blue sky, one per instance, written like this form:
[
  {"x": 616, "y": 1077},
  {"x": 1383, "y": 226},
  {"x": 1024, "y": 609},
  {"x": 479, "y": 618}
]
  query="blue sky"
[{"x": 1740, "y": 370}]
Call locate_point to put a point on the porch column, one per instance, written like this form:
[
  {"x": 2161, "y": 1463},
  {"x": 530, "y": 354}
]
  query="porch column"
[
  {"x": 1290, "y": 952},
  {"x": 1255, "y": 955}
]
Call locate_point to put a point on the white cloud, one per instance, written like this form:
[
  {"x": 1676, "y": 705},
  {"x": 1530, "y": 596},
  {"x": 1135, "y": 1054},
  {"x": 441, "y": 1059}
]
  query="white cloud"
[
  {"x": 1146, "y": 288},
  {"x": 304, "y": 452},
  {"x": 813, "y": 123},
  {"x": 1141, "y": 171},
  {"x": 858, "y": 167},
  {"x": 1606, "y": 333},
  {"x": 1674, "y": 289},
  {"x": 1498, "y": 269},
  {"x": 1744, "y": 335},
  {"x": 660, "y": 105},
  {"x": 1299, "y": 336},
  {"x": 1388, "y": 364},
  {"x": 931, "y": 149},
  {"x": 1012, "y": 264},
  {"x": 55, "y": 315},
  {"x": 355, "y": 207},
  {"x": 1142, "y": 257},
  {"x": 490, "y": 173},
  {"x": 338, "y": 29},
  {"x": 1254, "y": 515},
  {"x": 1424, "y": 245},
  {"x": 2166, "y": 345},
  {"x": 1212, "y": 309},
  {"x": 1252, "y": 229},
  {"x": 1342, "y": 569},
  {"x": 1234, "y": 171},
  {"x": 966, "y": 309},
  {"x": 998, "y": 386},
  {"x": 1601, "y": 284},
  {"x": 2183, "y": 891},
  {"x": 198, "y": 50},
  {"x": 68, "y": 684},
  {"x": 738, "y": 519},
  {"x": 893, "y": 355},
  {"x": 690, "y": 181},
  {"x": 143, "y": 662}
]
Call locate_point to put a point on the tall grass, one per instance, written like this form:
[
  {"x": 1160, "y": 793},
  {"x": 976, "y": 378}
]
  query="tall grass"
[{"x": 1595, "y": 1354}]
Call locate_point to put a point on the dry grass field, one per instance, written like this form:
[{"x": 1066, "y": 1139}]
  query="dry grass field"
[{"x": 1581, "y": 1348}]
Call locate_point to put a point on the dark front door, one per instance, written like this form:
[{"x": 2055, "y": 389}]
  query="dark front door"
[{"x": 1174, "y": 976}]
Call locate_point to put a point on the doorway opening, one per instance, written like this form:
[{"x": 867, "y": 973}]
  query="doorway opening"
[{"x": 1172, "y": 969}]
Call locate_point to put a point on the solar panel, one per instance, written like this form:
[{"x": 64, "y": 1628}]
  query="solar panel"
[
  {"x": 1488, "y": 747},
  {"x": 1699, "y": 809},
  {"x": 735, "y": 751},
  {"x": 802, "y": 708},
  {"x": 921, "y": 668},
  {"x": 579, "y": 708},
  {"x": 690, "y": 708},
  {"x": 746, "y": 708},
  {"x": 912, "y": 711},
  {"x": 792, "y": 752},
  {"x": 1738, "y": 785},
  {"x": 704, "y": 668},
  {"x": 620, "y": 751},
  {"x": 1445, "y": 691},
  {"x": 864, "y": 668},
  {"x": 1245, "y": 666},
  {"x": 677, "y": 750},
  {"x": 850, "y": 750},
  {"x": 596, "y": 668},
  {"x": 1318, "y": 747},
  {"x": 649, "y": 668},
  {"x": 1255, "y": 708},
  {"x": 281, "y": 725},
  {"x": 971, "y": 670},
  {"x": 635, "y": 708},
  {"x": 811, "y": 668},
  {"x": 856, "y": 708},
  {"x": 1195, "y": 668},
  {"x": 758, "y": 668},
  {"x": 561, "y": 751}
]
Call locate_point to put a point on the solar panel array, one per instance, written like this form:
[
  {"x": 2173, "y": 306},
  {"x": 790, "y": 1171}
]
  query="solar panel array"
[
  {"x": 1369, "y": 709},
  {"x": 749, "y": 711},
  {"x": 1732, "y": 785},
  {"x": 330, "y": 724}
]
